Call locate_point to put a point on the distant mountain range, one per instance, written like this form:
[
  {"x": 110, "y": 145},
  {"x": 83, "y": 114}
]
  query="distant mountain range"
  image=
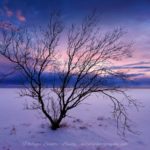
[{"x": 48, "y": 79}]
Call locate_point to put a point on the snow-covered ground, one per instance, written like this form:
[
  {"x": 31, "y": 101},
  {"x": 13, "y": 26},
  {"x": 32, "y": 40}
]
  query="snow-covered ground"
[{"x": 89, "y": 126}]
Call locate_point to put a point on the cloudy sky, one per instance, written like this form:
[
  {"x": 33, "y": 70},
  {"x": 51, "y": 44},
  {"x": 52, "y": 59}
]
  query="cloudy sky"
[{"x": 132, "y": 15}]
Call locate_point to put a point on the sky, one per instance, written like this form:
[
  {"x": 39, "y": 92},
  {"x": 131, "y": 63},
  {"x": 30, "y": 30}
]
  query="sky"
[{"x": 132, "y": 15}]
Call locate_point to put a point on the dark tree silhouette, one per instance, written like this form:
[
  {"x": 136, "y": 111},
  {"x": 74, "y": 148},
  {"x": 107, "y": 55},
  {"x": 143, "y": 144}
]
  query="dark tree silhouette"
[{"x": 85, "y": 68}]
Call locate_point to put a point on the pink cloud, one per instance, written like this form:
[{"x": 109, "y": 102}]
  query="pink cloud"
[
  {"x": 9, "y": 13},
  {"x": 7, "y": 26},
  {"x": 20, "y": 16}
]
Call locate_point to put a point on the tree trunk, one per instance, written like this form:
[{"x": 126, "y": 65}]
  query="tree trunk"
[{"x": 55, "y": 125}]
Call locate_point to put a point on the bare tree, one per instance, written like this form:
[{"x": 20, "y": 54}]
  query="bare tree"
[
  {"x": 85, "y": 68},
  {"x": 32, "y": 54}
]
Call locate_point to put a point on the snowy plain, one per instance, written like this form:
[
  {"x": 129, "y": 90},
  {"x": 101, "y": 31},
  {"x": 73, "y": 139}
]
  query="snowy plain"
[{"x": 88, "y": 127}]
